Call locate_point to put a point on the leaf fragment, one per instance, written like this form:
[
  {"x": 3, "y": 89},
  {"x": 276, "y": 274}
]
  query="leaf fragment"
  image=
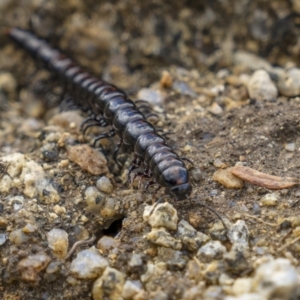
[{"x": 264, "y": 180}]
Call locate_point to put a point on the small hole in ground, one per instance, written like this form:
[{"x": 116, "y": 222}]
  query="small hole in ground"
[{"x": 114, "y": 228}]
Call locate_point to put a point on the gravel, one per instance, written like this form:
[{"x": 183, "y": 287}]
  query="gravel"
[{"x": 72, "y": 227}]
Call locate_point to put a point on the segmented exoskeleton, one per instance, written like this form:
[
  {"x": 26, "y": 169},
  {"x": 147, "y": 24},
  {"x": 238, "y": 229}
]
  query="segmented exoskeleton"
[{"x": 117, "y": 110}]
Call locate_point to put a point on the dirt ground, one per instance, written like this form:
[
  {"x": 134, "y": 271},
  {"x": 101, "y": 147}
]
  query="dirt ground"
[{"x": 197, "y": 79}]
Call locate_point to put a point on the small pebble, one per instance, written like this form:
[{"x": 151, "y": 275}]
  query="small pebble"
[
  {"x": 110, "y": 208},
  {"x": 31, "y": 266},
  {"x": 296, "y": 232},
  {"x": 32, "y": 174},
  {"x": 29, "y": 228},
  {"x": 3, "y": 238},
  {"x": 215, "y": 109},
  {"x": 238, "y": 235},
  {"x": 295, "y": 221},
  {"x": 166, "y": 80},
  {"x": 36, "y": 185},
  {"x": 136, "y": 261},
  {"x": 16, "y": 163},
  {"x": 7, "y": 83},
  {"x": 276, "y": 279},
  {"x": 195, "y": 219},
  {"x": 58, "y": 242},
  {"x": 175, "y": 260},
  {"x": 106, "y": 243},
  {"x": 211, "y": 250},
  {"x": 49, "y": 152},
  {"x": 80, "y": 233},
  {"x": 94, "y": 199},
  {"x": 161, "y": 215},
  {"x": 213, "y": 271},
  {"x": 53, "y": 267},
  {"x": 251, "y": 61},
  {"x": 242, "y": 286},
  {"x": 219, "y": 164},
  {"x": 217, "y": 90},
  {"x": 161, "y": 237},
  {"x": 109, "y": 285},
  {"x": 158, "y": 295},
  {"x": 18, "y": 237},
  {"x": 260, "y": 86},
  {"x": 68, "y": 120},
  {"x": 191, "y": 238},
  {"x": 235, "y": 262},
  {"x": 59, "y": 210},
  {"x": 290, "y": 147},
  {"x": 222, "y": 73},
  {"x": 182, "y": 88},
  {"x": 256, "y": 208},
  {"x": 289, "y": 82},
  {"x": 88, "y": 264},
  {"x": 3, "y": 222},
  {"x": 154, "y": 97},
  {"x": 270, "y": 199},
  {"x": 197, "y": 174},
  {"x": 131, "y": 288},
  {"x": 154, "y": 270},
  {"x": 225, "y": 279},
  {"x": 5, "y": 184},
  {"x": 193, "y": 270},
  {"x": 104, "y": 185},
  {"x": 88, "y": 158},
  {"x": 226, "y": 178},
  {"x": 213, "y": 193}
]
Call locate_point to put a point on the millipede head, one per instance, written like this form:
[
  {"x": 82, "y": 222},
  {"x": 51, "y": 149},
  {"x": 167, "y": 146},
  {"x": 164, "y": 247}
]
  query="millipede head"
[{"x": 181, "y": 192}]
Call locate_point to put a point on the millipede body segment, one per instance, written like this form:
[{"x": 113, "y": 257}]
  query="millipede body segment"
[{"x": 150, "y": 149}]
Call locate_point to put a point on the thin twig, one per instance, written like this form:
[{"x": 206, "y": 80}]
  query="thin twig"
[
  {"x": 197, "y": 261},
  {"x": 75, "y": 245},
  {"x": 260, "y": 220},
  {"x": 282, "y": 239},
  {"x": 289, "y": 244}
]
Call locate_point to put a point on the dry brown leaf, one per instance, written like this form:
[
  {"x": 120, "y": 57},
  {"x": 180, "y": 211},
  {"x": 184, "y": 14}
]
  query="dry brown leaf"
[{"x": 262, "y": 179}]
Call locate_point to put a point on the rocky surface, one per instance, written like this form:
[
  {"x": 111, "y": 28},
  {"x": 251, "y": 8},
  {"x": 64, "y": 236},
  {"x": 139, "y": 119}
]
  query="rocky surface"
[{"x": 224, "y": 77}]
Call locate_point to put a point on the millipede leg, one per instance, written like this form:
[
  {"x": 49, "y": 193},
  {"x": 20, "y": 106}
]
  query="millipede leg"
[
  {"x": 167, "y": 133},
  {"x": 141, "y": 101},
  {"x": 115, "y": 155},
  {"x": 136, "y": 163},
  {"x": 95, "y": 121},
  {"x": 151, "y": 115},
  {"x": 147, "y": 107},
  {"x": 89, "y": 126},
  {"x": 87, "y": 120},
  {"x": 188, "y": 160},
  {"x": 149, "y": 183},
  {"x": 156, "y": 191},
  {"x": 141, "y": 177},
  {"x": 96, "y": 97},
  {"x": 108, "y": 134},
  {"x": 138, "y": 174}
]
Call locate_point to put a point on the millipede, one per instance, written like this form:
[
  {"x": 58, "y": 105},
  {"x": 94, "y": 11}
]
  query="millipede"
[{"x": 109, "y": 106}]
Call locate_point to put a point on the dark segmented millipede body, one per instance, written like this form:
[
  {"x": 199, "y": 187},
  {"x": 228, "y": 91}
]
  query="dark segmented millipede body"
[{"x": 127, "y": 121}]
